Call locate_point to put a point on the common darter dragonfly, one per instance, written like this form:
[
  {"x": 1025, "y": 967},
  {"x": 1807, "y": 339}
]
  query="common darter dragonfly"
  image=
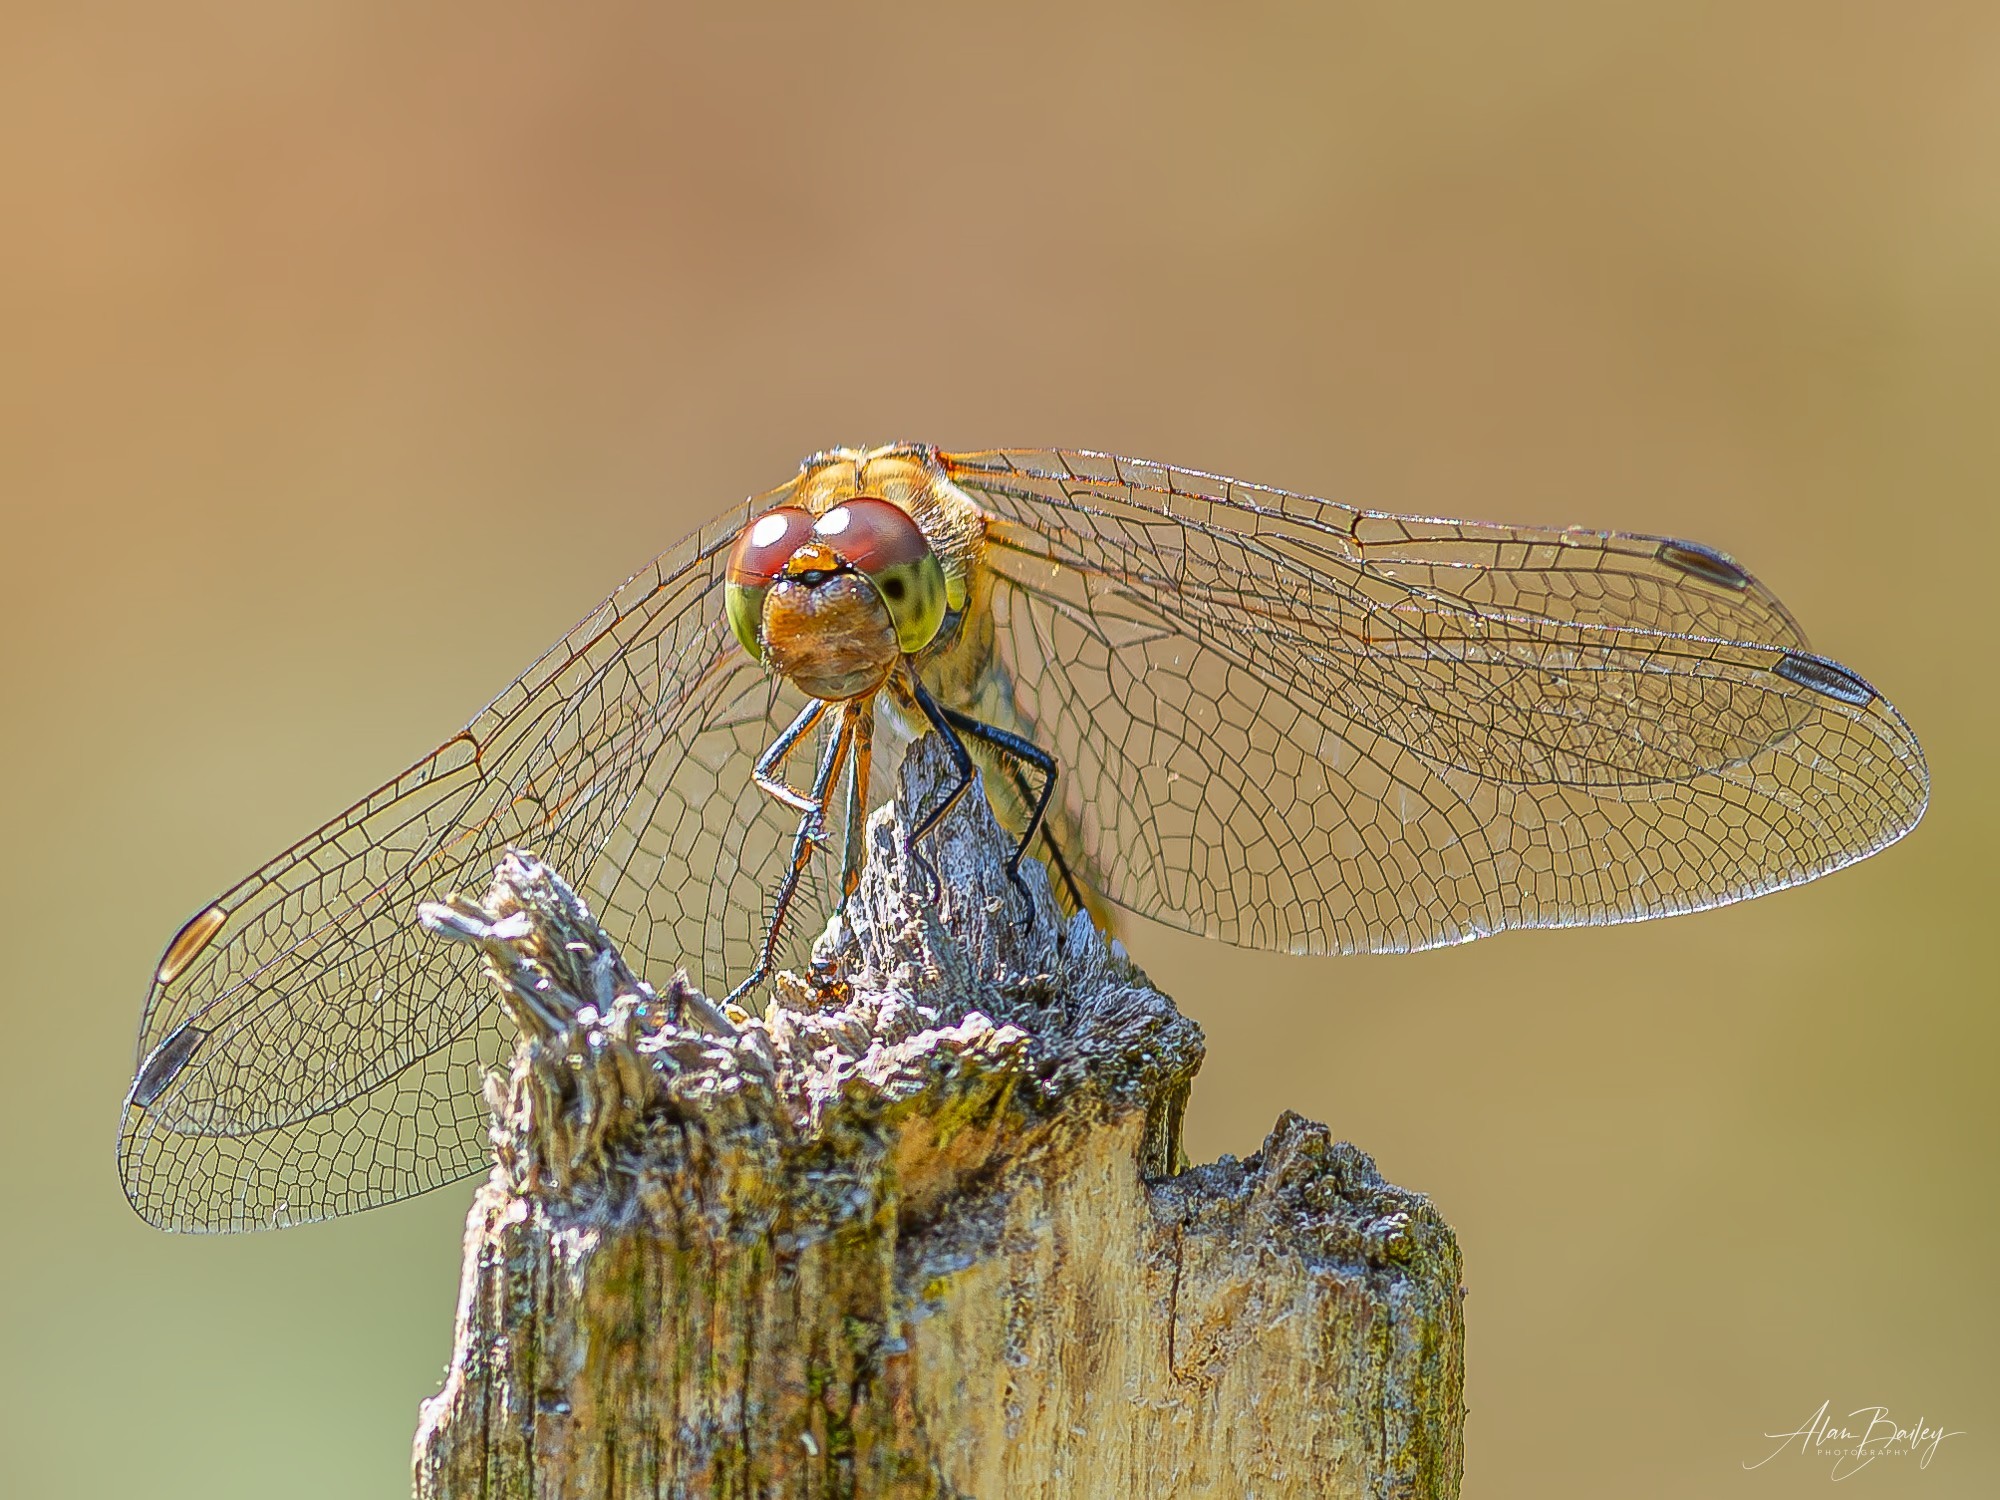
[{"x": 1275, "y": 720}]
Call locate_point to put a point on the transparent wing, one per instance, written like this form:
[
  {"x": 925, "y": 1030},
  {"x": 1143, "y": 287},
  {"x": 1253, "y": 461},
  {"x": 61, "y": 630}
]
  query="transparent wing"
[
  {"x": 1296, "y": 725},
  {"x": 306, "y": 1052}
]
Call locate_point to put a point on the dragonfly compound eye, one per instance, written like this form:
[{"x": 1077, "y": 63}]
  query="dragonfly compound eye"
[
  {"x": 884, "y": 544},
  {"x": 760, "y": 555}
]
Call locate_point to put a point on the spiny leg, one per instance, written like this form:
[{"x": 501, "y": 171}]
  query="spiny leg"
[
  {"x": 812, "y": 823},
  {"x": 1021, "y": 752},
  {"x": 961, "y": 760}
]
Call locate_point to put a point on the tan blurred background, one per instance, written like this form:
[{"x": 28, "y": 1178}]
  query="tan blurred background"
[{"x": 328, "y": 329}]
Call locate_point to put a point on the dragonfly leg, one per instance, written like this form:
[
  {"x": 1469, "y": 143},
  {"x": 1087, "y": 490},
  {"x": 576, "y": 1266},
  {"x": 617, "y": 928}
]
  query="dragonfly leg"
[
  {"x": 812, "y": 824},
  {"x": 961, "y": 760},
  {"x": 769, "y": 770},
  {"x": 1019, "y": 752},
  {"x": 859, "y": 768}
]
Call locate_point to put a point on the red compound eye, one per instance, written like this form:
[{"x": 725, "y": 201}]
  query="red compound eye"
[
  {"x": 767, "y": 544},
  {"x": 872, "y": 535}
]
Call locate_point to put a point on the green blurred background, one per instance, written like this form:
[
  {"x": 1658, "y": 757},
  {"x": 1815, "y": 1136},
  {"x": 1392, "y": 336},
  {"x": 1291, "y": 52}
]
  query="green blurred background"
[{"x": 342, "y": 340}]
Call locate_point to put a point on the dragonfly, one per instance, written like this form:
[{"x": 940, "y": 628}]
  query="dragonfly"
[{"x": 1279, "y": 721}]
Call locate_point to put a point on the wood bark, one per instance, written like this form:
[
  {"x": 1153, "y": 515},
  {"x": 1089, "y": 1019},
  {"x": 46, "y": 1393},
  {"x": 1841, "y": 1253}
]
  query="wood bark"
[{"x": 924, "y": 1229}]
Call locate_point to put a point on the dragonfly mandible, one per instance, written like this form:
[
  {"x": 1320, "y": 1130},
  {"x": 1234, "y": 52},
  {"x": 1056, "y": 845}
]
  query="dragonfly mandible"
[{"x": 1280, "y": 721}]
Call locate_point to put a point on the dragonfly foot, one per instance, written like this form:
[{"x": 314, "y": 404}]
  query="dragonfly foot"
[
  {"x": 1027, "y": 901},
  {"x": 828, "y": 983},
  {"x": 736, "y": 996},
  {"x": 930, "y": 871}
]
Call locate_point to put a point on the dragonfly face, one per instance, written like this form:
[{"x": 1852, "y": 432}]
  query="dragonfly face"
[
  {"x": 833, "y": 600},
  {"x": 1275, "y": 720}
]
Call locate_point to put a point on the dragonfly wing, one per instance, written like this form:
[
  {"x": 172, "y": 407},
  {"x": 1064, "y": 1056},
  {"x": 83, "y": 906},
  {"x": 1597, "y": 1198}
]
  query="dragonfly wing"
[
  {"x": 305, "y": 1051},
  {"x": 1300, "y": 726}
]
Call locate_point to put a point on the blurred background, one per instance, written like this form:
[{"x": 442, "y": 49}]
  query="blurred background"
[{"x": 345, "y": 338}]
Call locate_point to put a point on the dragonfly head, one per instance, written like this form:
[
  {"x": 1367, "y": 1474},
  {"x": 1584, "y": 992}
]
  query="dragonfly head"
[{"x": 834, "y": 601}]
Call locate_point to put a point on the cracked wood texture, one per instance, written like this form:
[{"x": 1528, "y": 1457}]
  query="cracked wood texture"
[{"x": 923, "y": 1229}]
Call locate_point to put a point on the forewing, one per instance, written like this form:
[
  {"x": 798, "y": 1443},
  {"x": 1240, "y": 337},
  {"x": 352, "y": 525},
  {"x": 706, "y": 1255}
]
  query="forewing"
[
  {"x": 306, "y": 1051},
  {"x": 1296, "y": 725}
]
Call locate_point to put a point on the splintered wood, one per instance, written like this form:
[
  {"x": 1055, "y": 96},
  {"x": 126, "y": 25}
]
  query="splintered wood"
[{"x": 925, "y": 1229}]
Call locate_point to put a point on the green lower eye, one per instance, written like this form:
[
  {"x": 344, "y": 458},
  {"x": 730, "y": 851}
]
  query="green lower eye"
[
  {"x": 914, "y": 595},
  {"x": 745, "y": 607}
]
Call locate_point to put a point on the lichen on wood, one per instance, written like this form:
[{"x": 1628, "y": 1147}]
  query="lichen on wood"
[{"x": 923, "y": 1229}]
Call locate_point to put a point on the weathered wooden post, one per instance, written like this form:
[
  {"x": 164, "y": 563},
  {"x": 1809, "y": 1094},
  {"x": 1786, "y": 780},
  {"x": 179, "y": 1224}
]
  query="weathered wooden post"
[{"x": 923, "y": 1232}]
